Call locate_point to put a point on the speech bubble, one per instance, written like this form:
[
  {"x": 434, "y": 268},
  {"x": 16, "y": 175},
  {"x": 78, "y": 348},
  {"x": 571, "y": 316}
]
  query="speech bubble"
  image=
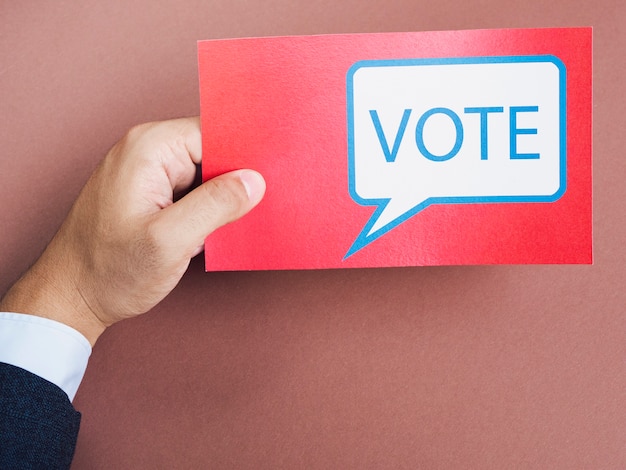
[{"x": 470, "y": 130}]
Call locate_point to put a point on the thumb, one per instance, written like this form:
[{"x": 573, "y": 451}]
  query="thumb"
[{"x": 215, "y": 203}]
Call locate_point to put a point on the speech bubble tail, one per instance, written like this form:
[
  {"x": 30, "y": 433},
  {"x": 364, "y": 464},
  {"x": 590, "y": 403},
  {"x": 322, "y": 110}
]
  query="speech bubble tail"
[
  {"x": 389, "y": 214},
  {"x": 358, "y": 244}
]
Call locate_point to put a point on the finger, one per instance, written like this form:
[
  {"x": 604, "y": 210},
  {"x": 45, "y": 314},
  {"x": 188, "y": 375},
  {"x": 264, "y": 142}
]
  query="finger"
[
  {"x": 193, "y": 137},
  {"x": 165, "y": 151},
  {"x": 211, "y": 205},
  {"x": 183, "y": 144},
  {"x": 184, "y": 130}
]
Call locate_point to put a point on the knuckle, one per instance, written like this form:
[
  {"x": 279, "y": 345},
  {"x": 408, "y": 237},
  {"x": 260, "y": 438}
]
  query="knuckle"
[{"x": 138, "y": 130}]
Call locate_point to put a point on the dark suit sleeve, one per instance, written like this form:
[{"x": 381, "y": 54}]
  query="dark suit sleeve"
[{"x": 38, "y": 424}]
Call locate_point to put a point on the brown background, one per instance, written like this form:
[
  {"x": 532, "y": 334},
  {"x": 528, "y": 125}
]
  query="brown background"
[{"x": 455, "y": 367}]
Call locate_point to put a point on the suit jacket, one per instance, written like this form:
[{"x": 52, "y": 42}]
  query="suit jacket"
[{"x": 38, "y": 424}]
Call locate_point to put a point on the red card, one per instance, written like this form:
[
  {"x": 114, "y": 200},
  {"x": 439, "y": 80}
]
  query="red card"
[{"x": 403, "y": 149}]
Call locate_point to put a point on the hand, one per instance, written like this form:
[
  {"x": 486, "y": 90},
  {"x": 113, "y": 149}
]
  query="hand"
[{"x": 125, "y": 244}]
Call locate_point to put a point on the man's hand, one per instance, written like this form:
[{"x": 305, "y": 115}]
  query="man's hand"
[{"x": 125, "y": 244}]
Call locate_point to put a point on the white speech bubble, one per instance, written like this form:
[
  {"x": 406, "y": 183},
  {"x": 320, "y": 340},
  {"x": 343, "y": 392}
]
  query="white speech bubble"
[{"x": 453, "y": 131}]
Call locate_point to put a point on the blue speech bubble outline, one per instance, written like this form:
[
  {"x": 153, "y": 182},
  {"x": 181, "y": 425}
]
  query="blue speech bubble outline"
[{"x": 363, "y": 238}]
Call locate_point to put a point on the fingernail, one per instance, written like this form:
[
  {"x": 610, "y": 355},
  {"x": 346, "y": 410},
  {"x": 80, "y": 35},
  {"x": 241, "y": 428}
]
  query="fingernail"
[{"x": 254, "y": 184}]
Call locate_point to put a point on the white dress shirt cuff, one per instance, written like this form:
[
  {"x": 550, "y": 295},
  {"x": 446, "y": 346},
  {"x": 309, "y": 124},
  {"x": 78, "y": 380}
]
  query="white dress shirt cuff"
[{"x": 49, "y": 349}]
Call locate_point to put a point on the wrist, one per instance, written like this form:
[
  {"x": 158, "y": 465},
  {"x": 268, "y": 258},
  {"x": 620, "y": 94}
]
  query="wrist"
[{"x": 51, "y": 293}]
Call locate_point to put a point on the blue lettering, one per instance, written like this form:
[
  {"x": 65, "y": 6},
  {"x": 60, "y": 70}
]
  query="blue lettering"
[
  {"x": 419, "y": 134},
  {"x": 390, "y": 155},
  {"x": 514, "y": 131},
  {"x": 483, "y": 126}
]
